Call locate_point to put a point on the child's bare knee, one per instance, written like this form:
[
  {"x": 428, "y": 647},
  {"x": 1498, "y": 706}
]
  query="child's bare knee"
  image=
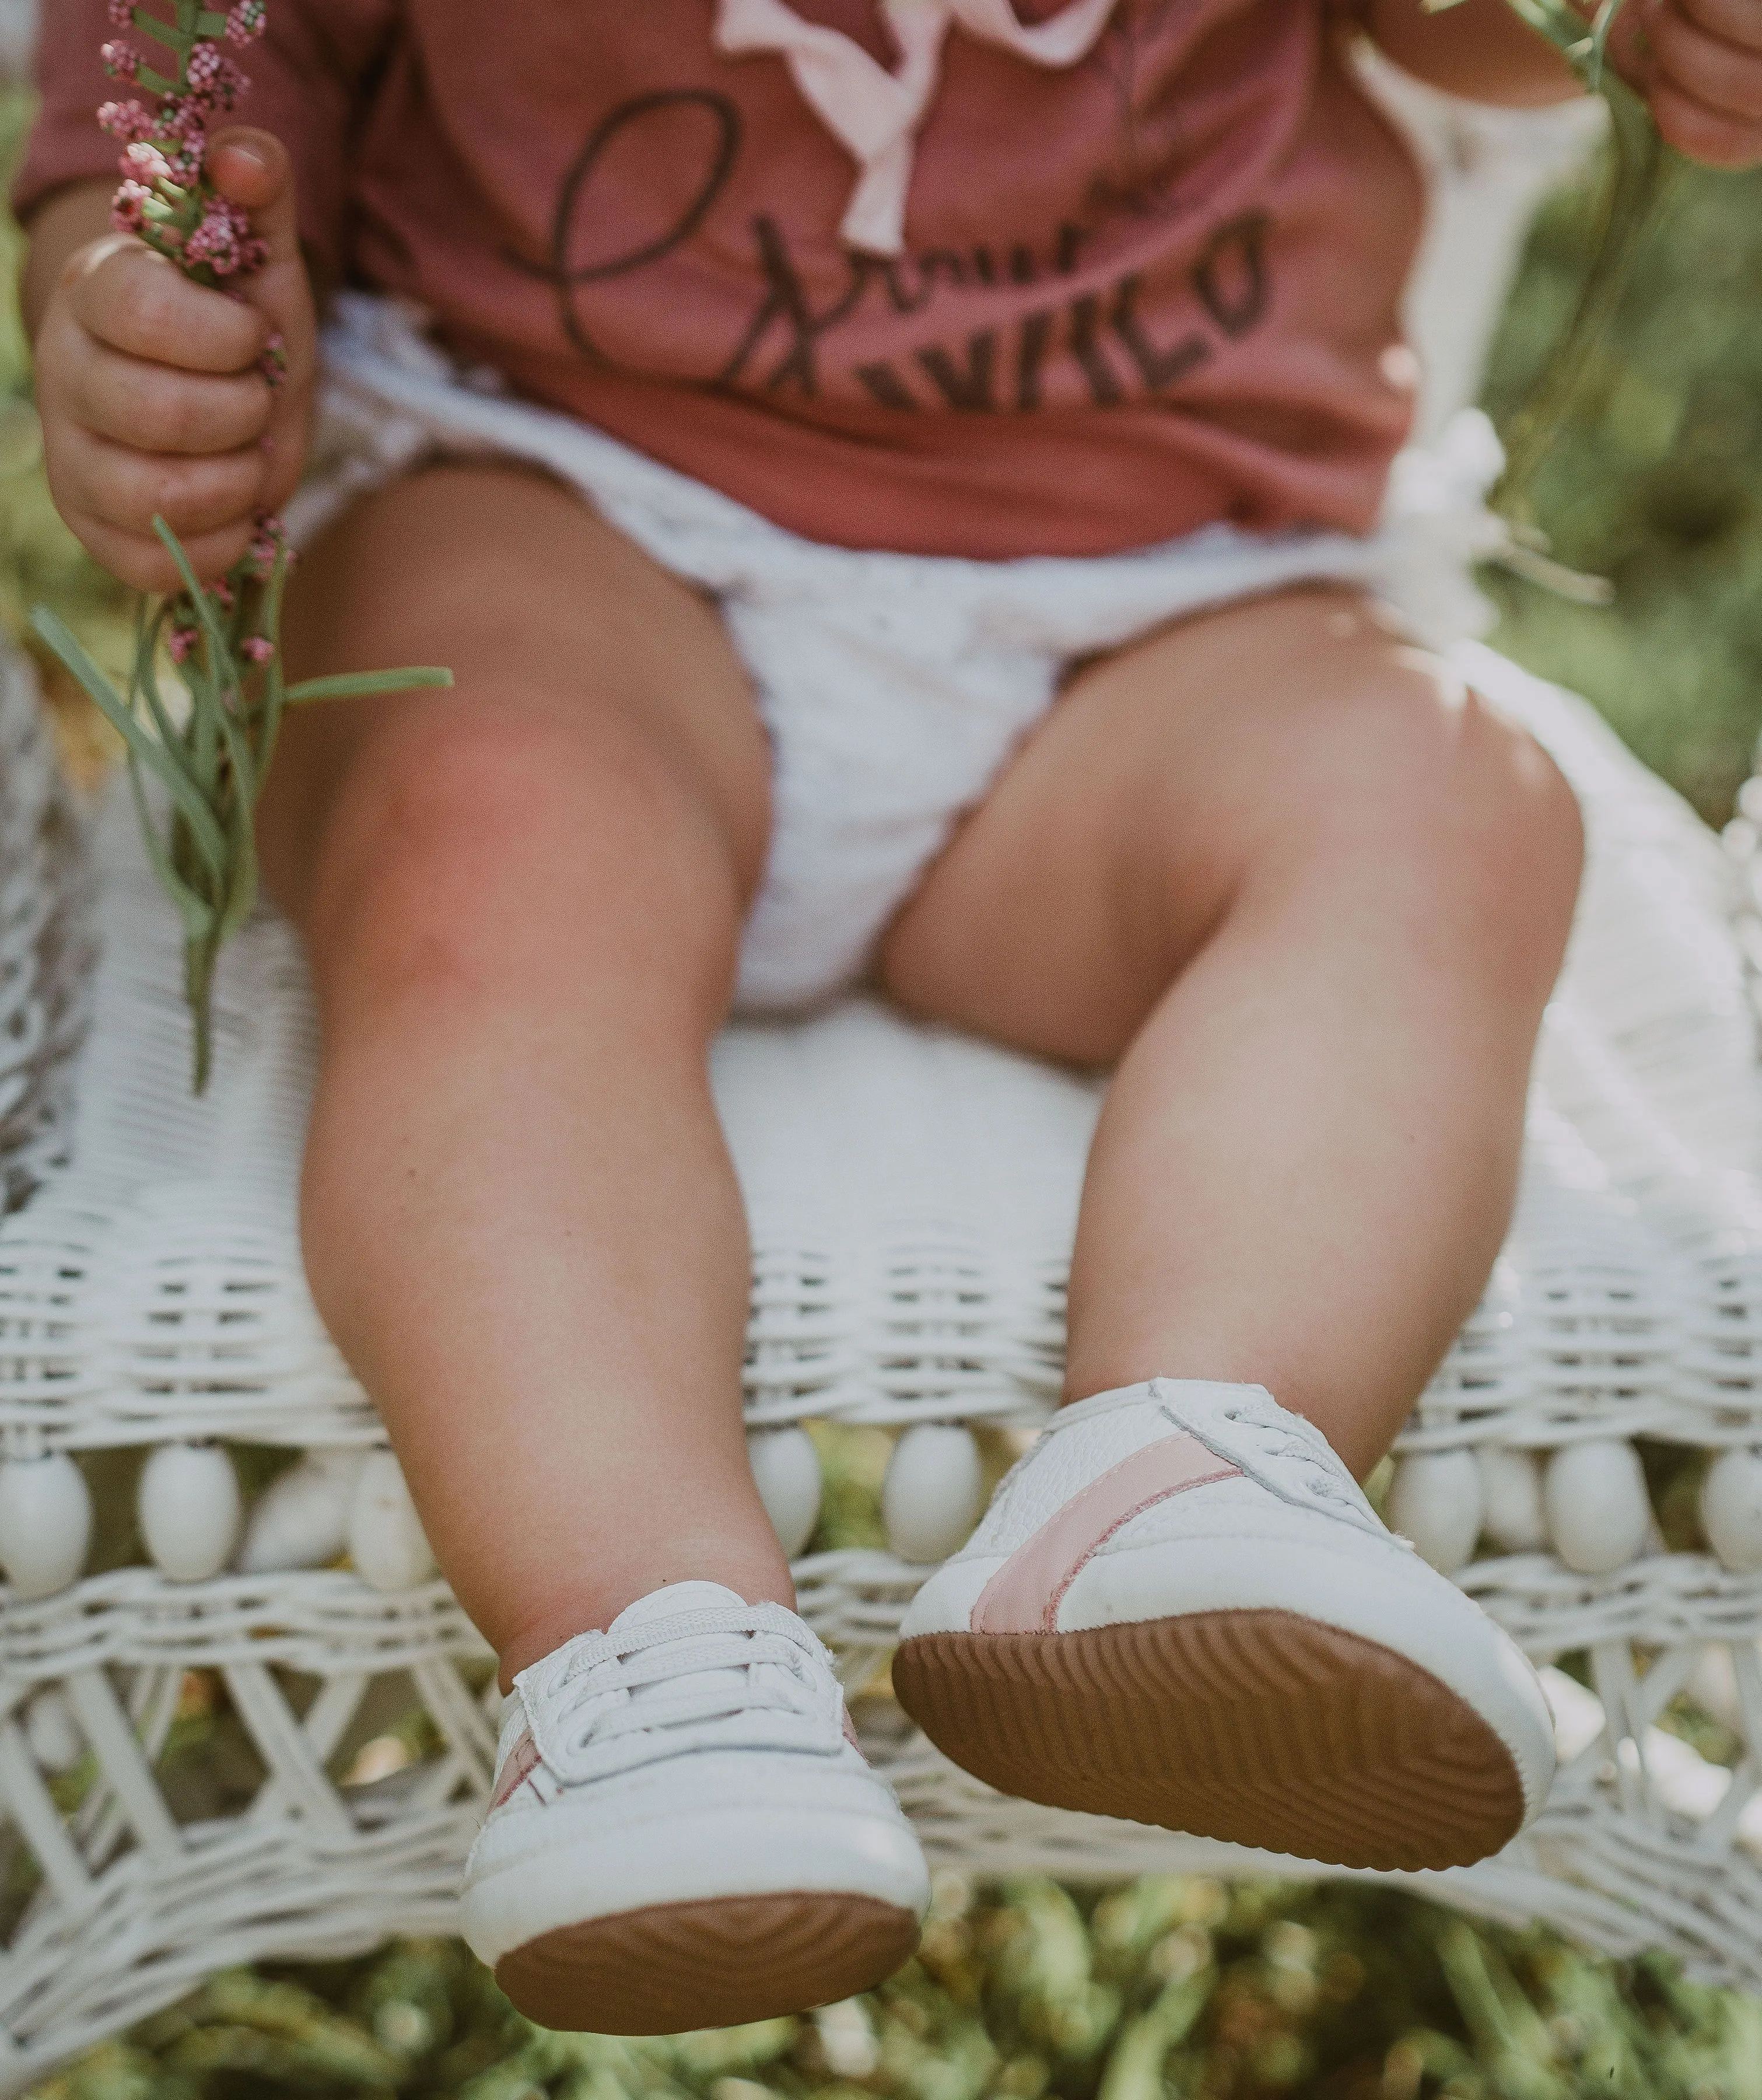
[
  {"x": 1522, "y": 834},
  {"x": 493, "y": 845},
  {"x": 1491, "y": 831}
]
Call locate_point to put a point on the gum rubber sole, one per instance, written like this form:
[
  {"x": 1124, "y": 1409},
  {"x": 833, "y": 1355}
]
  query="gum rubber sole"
[
  {"x": 717, "y": 1963},
  {"x": 1261, "y": 1727}
]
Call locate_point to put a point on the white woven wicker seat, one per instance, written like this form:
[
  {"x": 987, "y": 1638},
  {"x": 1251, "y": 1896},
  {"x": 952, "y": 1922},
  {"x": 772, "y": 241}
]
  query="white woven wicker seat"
[{"x": 913, "y": 1197}]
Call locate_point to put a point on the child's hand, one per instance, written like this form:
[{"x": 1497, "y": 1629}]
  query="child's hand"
[
  {"x": 1699, "y": 63},
  {"x": 153, "y": 393}
]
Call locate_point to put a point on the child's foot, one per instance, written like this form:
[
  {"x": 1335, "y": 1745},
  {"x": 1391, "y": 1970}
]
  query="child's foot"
[
  {"x": 683, "y": 1834},
  {"x": 1180, "y": 1608}
]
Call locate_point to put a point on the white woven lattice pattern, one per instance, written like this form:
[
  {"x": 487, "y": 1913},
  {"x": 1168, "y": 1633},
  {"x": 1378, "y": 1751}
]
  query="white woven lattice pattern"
[
  {"x": 913, "y": 1198},
  {"x": 45, "y": 939}
]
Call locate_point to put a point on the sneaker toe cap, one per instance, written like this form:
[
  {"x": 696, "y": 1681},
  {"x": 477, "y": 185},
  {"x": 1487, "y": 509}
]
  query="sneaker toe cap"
[{"x": 602, "y": 1849}]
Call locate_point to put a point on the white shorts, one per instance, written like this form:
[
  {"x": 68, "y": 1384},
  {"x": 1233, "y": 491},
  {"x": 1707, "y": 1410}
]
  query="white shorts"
[{"x": 894, "y": 686}]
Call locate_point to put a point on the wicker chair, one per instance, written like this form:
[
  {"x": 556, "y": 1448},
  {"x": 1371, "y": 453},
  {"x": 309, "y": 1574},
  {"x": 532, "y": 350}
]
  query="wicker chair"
[{"x": 913, "y": 1197}]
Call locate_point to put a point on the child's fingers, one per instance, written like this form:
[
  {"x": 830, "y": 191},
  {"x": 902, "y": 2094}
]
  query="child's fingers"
[
  {"x": 252, "y": 168},
  {"x": 140, "y": 561},
  {"x": 1736, "y": 22},
  {"x": 126, "y": 489},
  {"x": 286, "y": 443},
  {"x": 156, "y": 409},
  {"x": 1725, "y": 78},
  {"x": 155, "y": 397},
  {"x": 1704, "y": 88},
  {"x": 1704, "y": 135},
  {"x": 141, "y": 304}
]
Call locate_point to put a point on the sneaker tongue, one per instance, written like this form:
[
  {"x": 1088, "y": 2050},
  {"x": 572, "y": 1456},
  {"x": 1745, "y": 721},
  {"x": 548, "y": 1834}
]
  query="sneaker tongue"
[
  {"x": 675, "y": 1597},
  {"x": 727, "y": 1687}
]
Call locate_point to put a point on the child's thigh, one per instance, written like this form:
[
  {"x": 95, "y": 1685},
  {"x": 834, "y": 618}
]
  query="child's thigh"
[
  {"x": 596, "y": 696},
  {"x": 1292, "y": 751}
]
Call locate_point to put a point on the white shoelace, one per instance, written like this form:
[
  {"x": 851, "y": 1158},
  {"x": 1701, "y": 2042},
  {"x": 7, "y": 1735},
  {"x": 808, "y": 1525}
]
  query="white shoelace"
[
  {"x": 1282, "y": 1436},
  {"x": 691, "y": 1680}
]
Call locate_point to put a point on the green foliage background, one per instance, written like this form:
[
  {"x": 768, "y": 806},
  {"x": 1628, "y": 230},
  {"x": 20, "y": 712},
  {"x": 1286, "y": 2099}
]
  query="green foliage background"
[
  {"x": 1176, "y": 1988},
  {"x": 1655, "y": 483}
]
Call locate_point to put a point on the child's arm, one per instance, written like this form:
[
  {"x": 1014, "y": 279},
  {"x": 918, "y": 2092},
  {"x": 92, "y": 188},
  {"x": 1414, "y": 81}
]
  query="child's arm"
[
  {"x": 148, "y": 386},
  {"x": 1697, "y": 62},
  {"x": 1481, "y": 48}
]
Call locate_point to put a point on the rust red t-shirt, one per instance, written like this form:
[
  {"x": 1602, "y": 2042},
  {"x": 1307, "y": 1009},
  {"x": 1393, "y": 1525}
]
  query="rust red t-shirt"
[{"x": 1138, "y": 293}]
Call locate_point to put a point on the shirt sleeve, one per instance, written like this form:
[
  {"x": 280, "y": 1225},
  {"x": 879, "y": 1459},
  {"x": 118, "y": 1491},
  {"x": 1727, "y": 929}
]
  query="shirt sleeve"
[{"x": 308, "y": 74}]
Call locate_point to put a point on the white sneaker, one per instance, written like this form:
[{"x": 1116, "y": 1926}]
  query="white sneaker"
[
  {"x": 1180, "y": 1608},
  {"x": 683, "y": 1833}
]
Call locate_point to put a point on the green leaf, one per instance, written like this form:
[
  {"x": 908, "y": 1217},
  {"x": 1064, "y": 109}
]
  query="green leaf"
[
  {"x": 197, "y": 915},
  {"x": 241, "y": 888},
  {"x": 162, "y": 32},
  {"x": 198, "y": 957},
  {"x": 147, "y": 684},
  {"x": 1555, "y": 19},
  {"x": 357, "y": 685},
  {"x": 1600, "y": 29},
  {"x": 220, "y": 663},
  {"x": 204, "y": 741},
  {"x": 195, "y": 812}
]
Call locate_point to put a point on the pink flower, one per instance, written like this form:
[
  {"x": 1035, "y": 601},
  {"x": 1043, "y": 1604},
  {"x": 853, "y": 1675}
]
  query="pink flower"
[
  {"x": 127, "y": 121},
  {"x": 223, "y": 241},
  {"x": 181, "y": 640},
  {"x": 215, "y": 242},
  {"x": 186, "y": 161},
  {"x": 127, "y": 208},
  {"x": 213, "y": 81},
  {"x": 273, "y": 363},
  {"x": 258, "y": 647},
  {"x": 269, "y": 542},
  {"x": 181, "y": 129},
  {"x": 144, "y": 163},
  {"x": 246, "y": 20},
  {"x": 121, "y": 61},
  {"x": 183, "y": 116},
  {"x": 122, "y": 14},
  {"x": 222, "y": 595}
]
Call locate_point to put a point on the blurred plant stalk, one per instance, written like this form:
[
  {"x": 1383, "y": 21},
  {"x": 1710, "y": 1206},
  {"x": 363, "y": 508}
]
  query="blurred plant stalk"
[
  {"x": 1642, "y": 169},
  {"x": 224, "y": 634},
  {"x": 212, "y": 765}
]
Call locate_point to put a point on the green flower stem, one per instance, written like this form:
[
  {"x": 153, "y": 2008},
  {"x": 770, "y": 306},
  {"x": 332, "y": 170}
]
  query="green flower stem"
[
  {"x": 212, "y": 767},
  {"x": 1642, "y": 172},
  {"x": 225, "y": 635}
]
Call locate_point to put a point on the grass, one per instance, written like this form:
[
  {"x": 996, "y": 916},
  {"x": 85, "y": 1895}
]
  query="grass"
[
  {"x": 1163, "y": 1989},
  {"x": 1176, "y": 1989},
  {"x": 1655, "y": 482}
]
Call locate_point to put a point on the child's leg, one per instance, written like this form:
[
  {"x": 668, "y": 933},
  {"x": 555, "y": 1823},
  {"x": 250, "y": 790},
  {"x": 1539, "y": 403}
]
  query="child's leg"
[
  {"x": 1314, "y": 897},
  {"x": 522, "y": 901}
]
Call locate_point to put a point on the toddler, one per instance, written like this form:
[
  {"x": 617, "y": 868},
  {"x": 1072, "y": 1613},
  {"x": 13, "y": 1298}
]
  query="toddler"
[{"x": 897, "y": 483}]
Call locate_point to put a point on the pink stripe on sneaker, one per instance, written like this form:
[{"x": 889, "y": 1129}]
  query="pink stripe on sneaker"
[
  {"x": 1024, "y": 1595},
  {"x": 523, "y": 1760}
]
